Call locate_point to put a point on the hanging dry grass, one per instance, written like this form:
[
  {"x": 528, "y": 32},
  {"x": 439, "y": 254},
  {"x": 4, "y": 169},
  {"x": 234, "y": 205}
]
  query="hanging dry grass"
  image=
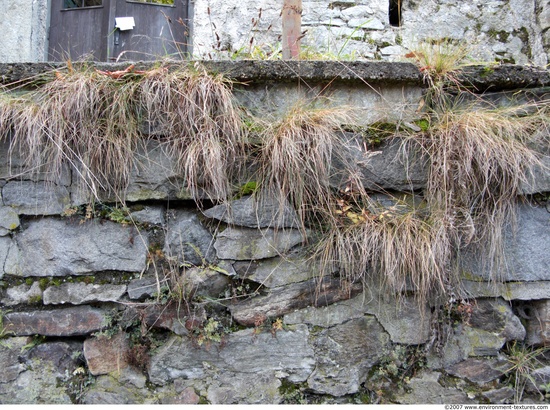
[
  {"x": 294, "y": 163},
  {"x": 479, "y": 161},
  {"x": 402, "y": 248},
  {"x": 93, "y": 120},
  {"x": 201, "y": 125}
]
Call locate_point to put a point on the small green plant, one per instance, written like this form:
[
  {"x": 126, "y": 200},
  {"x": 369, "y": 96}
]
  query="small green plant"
[
  {"x": 212, "y": 331},
  {"x": 523, "y": 360}
]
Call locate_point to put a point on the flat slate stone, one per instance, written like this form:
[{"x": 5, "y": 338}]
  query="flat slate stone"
[
  {"x": 22, "y": 294},
  {"x": 74, "y": 321},
  {"x": 53, "y": 247},
  {"x": 81, "y": 293},
  {"x": 252, "y": 244},
  {"x": 253, "y": 212},
  {"x": 245, "y": 351},
  {"x": 36, "y": 198},
  {"x": 286, "y": 299},
  {"x": 278, "y": 271},
  {"x": 479, "y": 371}
]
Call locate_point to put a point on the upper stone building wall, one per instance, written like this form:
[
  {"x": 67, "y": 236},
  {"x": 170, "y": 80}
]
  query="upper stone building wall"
[
  {"x": 502, "y": 30},
  {"x": 516, "y": 31}
]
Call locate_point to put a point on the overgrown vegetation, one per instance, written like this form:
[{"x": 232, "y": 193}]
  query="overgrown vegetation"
[
  {"x": 93, "y": 121},
  {"x": 99, "y": 123}
]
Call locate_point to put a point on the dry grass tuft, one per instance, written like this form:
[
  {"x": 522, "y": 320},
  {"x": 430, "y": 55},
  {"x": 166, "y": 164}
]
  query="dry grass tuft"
[
  {"x": 403, "y": 248},
  {"x": 94, "y": 121},
  {"x": 203, "y": 130},
  {"x": 479, "y": 161},
  {"x": 294, "y": 162}
]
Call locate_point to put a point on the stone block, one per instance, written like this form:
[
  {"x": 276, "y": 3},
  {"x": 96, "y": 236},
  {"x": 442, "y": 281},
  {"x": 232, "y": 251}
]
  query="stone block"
[
  {"x": 252, "y": 212},
  {"x": 53, "y": 247},
  {"x": 244, "y": 352},
  {"x": 82, "y": 293},
  {"x": 187, "y": 239},
  {"x": 252, "y": 244},
  {"x": 285, "y": 299},
  {"x": 36, "y": 198},
  {"x": 106, "y": 354},
  {"x": 345, "y": 353},
  {"x": 22, "y": 294},
  {"x": 527, "y": 252},
  {"x": 9, "y": 220},
  {"x": 75, "y": 321}
]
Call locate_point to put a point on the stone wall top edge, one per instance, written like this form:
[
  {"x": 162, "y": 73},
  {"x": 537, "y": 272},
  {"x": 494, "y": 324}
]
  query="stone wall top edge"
[{"x": 481, "y": 78}]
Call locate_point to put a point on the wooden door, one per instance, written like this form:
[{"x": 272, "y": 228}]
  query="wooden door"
[
  {"x": 160, "y": 31},
  {"x": 85, "y": 29},
  {"x": 78, "y": 30}
]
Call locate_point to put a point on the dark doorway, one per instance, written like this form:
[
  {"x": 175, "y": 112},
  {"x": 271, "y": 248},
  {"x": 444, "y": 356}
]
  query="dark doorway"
[{"x": 85, "y": 29}]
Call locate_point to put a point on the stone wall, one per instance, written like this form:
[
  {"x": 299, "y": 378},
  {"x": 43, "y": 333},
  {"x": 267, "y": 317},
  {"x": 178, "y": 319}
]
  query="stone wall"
[
  {"x": 87, "y": 316},
  {"x": 512, "y": 31},
  {"x": 24, "y": 28}
]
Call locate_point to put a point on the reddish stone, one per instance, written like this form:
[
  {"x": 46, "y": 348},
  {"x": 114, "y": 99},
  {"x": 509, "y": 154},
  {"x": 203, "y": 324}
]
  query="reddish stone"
[
  {"x": 75, "y": 321},
  {"x": 106, "y": 354}
]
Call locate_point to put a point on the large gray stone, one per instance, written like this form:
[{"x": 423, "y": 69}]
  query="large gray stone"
[
  {"x": 527, "y": 253},
  {"x": 244, "y": 351},
  {"x": 345, "y": 353},
  {"x": 52, "y": 247},
  {"x": 36, "y": 198},
  {"x": 81, "y": 293},
  {"x": 187, "y": 240},
  {"x": 405, "y": 319},
  {"x": 496, "y": 315},
  {"x": 75, "y": 321},
  {"x": 251, "y": 244},
  {"x": 253, "y": 212},
  {"x": 44, "y": 371}
]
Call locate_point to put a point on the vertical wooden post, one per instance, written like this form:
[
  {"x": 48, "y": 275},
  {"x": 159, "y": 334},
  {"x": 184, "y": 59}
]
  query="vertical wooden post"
[{"x": 292, "y": 27}]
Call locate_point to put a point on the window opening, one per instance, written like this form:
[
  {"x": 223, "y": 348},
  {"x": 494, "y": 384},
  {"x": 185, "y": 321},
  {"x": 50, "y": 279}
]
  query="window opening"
[
  {"x": 395, "y": 13},
  {"x": 77, "y": 4}
]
